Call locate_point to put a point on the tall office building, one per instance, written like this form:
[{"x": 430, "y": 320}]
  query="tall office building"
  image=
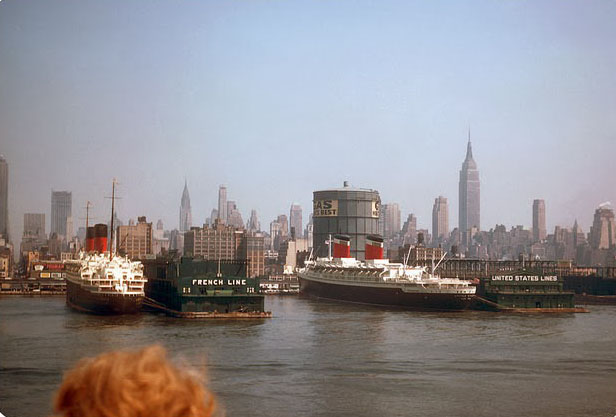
[
  {"x": 185, "y": 210},
  {"x": 226, "y": 242},
  {"x": 539, "y": 229},
  {"x": 4, "y": 197},
  {"x": 603, "y": 230},
  {"x": 217, "y": 242},
  {"x": 469, "y": 208},
  {"x": 222, "y": 203},
  {"x": 389, "y": 220},
  {"x": 579, "y": 238},
  {"x": 275, "y": 235},
  {"x": 61, "y": 210},
  {"x": 69, "y": 228},
  {"x": 284, "y": 224},
  {"x": 135, "y": 241},
  {"x": 34, "y": 226},
  {"x": 440, "y": 220},
  {"x": 230, "y": 207},
  {"x": 213, "y": 217},
  {"x": 234, "y": 217},
  {"x": 253, "y": 222},
  {"x": 295, "y": 220},
  {"x": 409, "y": 230}
]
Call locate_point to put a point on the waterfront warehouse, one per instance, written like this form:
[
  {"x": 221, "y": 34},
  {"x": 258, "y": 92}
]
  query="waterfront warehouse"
[
  {"x": 194, "y": 287},
  {"x": 526, "y": 289}
]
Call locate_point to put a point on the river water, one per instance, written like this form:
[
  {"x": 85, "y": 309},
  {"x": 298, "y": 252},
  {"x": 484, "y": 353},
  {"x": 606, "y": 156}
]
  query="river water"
[{"x": 316, "y": 358}]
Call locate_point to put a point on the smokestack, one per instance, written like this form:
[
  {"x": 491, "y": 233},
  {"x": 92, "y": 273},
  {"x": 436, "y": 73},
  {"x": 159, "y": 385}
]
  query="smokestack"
[
  {"x": 90, "y": 239},
  {"x": 342, "y": 246},
  {"x": 374, "y": 247},
  {"x": 100, "y": 237}
]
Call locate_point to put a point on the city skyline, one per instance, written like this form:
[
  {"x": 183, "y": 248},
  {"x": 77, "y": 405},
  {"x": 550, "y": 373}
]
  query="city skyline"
[
  {"x": 427, "y": 223},
  {"x": 539, "y": 132}
]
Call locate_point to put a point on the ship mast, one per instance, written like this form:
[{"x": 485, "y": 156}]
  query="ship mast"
[
  {"x": 113, "y": 183},
  {"x": 88, "y": 204}
]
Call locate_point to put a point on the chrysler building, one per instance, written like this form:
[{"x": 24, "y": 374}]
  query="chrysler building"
[{"x": 185, "y": 212}]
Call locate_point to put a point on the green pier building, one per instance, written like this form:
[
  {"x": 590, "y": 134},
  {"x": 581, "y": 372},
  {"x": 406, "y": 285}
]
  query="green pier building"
[
  {"x": 194, "y": 288},
  {"x": 524, "y": 289}
]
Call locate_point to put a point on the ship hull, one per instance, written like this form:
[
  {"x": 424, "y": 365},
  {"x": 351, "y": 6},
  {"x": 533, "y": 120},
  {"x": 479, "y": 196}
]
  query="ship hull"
[
  {"x": 386, "y": 296},
  {"x": 86, "y": 301}
]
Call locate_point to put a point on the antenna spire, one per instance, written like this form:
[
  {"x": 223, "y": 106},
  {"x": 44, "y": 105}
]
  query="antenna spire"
[{"x": 469, "y": 148}]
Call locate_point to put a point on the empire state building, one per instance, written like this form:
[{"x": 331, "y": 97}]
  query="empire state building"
[{"x": 469, "y": 213}]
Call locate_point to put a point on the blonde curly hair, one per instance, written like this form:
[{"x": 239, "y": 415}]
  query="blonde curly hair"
[{"x": 132, "y": 384}]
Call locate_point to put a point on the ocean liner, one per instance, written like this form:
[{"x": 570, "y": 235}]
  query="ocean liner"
[
  {"x": 101, "y": 282},
  {"x": 378, "y": 281}
]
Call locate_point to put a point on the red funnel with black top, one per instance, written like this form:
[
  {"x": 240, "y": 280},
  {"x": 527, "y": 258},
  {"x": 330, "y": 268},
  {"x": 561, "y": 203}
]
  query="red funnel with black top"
[
  {"x": 100, "y": 237},
  {"x": 374, "y": 247},
  {"x": 342, "y": 246},
  {"x": 90, "y": 239}
]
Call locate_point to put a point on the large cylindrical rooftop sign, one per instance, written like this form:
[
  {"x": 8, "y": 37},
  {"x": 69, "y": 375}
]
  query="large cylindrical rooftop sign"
[{"x": 348, "y": 211}]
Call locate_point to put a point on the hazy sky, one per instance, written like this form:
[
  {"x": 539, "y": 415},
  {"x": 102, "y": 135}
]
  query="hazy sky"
[{"x": 276, "y": 99}]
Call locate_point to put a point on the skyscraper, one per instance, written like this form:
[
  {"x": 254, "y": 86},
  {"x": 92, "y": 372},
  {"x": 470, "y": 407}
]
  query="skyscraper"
[
  {"x": 34, "y": 226},
  {"x": 222, "y": 203},
  {"x": 213, "y": 217},
  {"x": 603, "y": 230},
  {"x": 185, "y": 211},
  {"x": 440, "y": 219},
  {"x": 389, "y": 220},
  {"x": 69, "y": 228},
  {"x": 284, "y": 225},
  {"x": 253, "y": 222},
  {"x": 409, "y": 230},
  {"x": 275, "y": 235},
  {"x": 295, "y": 220},
  {"x": 4, "y": 197},
  {"x": 61, "y": 210},
  {"x": 135, "y": 241},
  {"x": 230, "y": 207},
  {"x": 539, "y": 229},
  {"x": 234, "y": 217},
  {"x": 469, "y": 209}
]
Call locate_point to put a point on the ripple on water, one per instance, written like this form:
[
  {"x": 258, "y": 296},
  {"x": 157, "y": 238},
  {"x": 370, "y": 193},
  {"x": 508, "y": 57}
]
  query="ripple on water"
[{"x": 323, "y": 358}]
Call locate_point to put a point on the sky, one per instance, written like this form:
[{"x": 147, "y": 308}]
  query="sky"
[{"x": 276, "y": 99}]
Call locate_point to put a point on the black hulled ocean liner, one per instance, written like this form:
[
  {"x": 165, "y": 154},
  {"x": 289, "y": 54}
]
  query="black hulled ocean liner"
[{"x": 380, "y": 282}]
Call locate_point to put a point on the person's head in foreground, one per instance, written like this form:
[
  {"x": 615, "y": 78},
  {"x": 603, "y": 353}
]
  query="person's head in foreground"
[{"x": 142, "y": 383}]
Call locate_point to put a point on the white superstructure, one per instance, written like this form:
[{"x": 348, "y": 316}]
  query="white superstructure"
[
  {"x": 382, "y": 273},
  {"x": 98, "y": 273}
]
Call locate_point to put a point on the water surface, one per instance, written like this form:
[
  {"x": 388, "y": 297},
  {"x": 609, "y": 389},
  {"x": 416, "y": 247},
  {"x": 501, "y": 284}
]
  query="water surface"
[{"x": 316, "y": 358}]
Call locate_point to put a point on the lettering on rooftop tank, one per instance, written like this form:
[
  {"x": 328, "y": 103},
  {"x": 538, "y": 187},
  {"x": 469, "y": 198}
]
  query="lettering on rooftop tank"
[{"x": 325, "y": 208}]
